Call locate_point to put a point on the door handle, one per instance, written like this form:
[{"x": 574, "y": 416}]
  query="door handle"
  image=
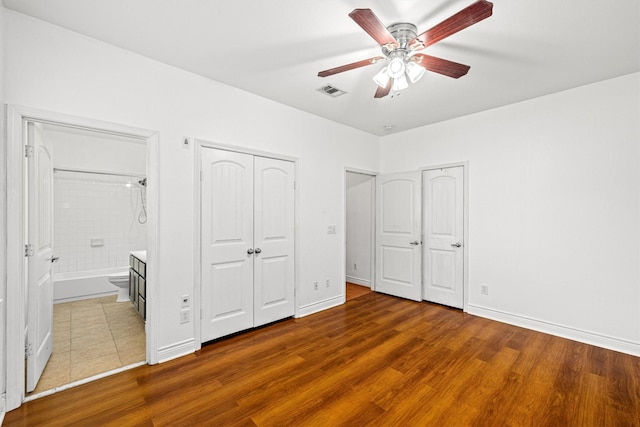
[
  {"x": 456, "y": 245},
  {"x": 53, "y": 259},
  {"x": 258, "y": 250},
  {"x": 250, "y": 251},
  {"x": 415, "y": 243}
]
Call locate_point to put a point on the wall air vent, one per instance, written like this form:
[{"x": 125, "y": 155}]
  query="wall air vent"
[{"x": 331, "y": 91}]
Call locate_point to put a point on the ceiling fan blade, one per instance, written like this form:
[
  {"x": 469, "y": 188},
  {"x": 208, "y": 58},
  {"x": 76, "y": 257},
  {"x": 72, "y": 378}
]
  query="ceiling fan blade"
[
  {"x": 468, "y": 16},
  {"x": 381, "y": 92},
  {"x": 441, "y": 66},
  {"x": 347, "y": 67},
  {"x": 369, "y": 22}
]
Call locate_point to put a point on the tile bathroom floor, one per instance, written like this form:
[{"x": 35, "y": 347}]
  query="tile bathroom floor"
[{"x": 90, "y": 337}]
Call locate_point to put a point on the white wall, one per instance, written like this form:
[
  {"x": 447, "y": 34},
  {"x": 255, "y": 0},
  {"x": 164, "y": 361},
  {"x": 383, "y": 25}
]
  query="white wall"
[
  {"x": 51, "y": 68},
  {"x": 554, "y": 194},
  {"x": 89, "y": 151},
  {"x": 3, "y": 232},
  {"x": 359, "y": 219}
]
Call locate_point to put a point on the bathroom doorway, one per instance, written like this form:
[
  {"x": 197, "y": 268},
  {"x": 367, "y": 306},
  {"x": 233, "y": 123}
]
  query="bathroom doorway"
[
  {"x": 99, "y": 216},
  {"x": 103, "y": 206}
]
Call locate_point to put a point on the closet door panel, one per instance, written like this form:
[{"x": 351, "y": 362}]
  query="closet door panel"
[
  {"x": 273, "y": 236},
  {"x": 227, "y": 235}
]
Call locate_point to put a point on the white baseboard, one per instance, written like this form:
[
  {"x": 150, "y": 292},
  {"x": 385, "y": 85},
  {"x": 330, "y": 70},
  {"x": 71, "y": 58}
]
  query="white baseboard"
[
  {"x": 176, "y": 350},
  {"x": 358, "y": 281},
  {"x": 611, "y": 343},
  {"x": 3, "y": 407},
  {"x": 315, "y": 307}
]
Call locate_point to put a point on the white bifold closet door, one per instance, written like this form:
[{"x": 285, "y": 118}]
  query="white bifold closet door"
[{"x": 247, "y": 216}]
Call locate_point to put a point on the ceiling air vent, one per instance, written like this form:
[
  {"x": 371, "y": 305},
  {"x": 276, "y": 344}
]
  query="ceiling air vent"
[{"x": 331, "y": 91}]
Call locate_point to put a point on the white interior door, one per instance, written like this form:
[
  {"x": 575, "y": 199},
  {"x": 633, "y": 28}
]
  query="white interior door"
[
  {"x": 273, "y": 240},
  {"x": 40, "y": 239},
  {"x": 398, "y": 235},
  {"x": 227, "y": 237},
  {"x": 444, "y": 236}
]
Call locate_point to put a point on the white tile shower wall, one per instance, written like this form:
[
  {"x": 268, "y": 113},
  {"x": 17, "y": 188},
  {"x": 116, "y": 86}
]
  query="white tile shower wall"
[{"x": 96, "y": 207}]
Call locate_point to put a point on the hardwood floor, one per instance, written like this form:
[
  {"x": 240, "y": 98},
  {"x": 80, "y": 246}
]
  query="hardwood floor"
[
  {"x": 376, "y": 360},
  {"x": 356, "y": 291}
]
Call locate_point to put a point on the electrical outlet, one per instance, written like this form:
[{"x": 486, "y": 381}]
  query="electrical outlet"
[
  {"x": 185, "y": 316},
  {"x": 327, "y": 283},
  {"x": 484, "y": 289},
  {"x": 315, "y": 285},
  {"x": 355, "y": 266},
  {"x": 185, "y": 301}
]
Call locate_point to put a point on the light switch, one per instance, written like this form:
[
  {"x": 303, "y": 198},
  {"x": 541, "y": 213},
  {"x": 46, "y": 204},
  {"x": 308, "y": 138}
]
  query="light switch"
[{"x": 331, "y": 229}]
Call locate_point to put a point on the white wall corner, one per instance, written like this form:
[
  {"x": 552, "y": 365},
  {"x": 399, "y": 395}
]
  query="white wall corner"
[
  {"x": 179, "y": 349},
  {"x": 358, "y": 281},
  {"x": 611, "y": 343},
  {"x": 315, "y": 307}
]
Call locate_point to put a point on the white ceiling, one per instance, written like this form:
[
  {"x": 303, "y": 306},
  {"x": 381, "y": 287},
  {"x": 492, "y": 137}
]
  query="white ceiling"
[{"x": 275, "y": 48}]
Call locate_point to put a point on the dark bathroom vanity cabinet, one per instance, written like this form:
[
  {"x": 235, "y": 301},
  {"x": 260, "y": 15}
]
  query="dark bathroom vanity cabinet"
[{"x": 138, "y": 283}]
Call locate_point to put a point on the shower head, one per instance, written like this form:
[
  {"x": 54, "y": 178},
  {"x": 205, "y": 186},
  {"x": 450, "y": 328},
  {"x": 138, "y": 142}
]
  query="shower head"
[{"x": 143, "y": 182}]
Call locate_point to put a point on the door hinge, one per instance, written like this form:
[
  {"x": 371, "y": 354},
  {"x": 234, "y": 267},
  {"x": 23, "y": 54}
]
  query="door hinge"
[
  {"x": 28, "y": 250},
  {"x": 28, "y": 351},
  {"x": 28, "y": 150},
  {"x": 200, "y": 314},
  {"x": 200, "y": 175}
]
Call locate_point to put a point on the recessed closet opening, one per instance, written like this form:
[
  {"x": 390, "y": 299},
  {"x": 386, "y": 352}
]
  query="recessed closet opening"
[{"x": 359, "y": 233}]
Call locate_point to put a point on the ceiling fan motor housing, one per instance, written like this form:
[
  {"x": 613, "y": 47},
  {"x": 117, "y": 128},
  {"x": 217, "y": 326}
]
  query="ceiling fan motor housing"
[{"x": 403, "y": 32}]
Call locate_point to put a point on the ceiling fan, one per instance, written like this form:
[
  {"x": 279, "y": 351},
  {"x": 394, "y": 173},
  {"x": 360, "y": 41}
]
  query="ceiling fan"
[{"x": 400, "y": 46}]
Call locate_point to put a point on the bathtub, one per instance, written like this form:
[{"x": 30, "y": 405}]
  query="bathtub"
[{"x": 80, "y": 285}]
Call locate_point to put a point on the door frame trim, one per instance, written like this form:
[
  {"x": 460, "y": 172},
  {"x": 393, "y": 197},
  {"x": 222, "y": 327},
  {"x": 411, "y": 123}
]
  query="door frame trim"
[
  {"x": 465, "y": 241},
  {"x": 372, "y": 255},
  {"x": 16, "y": 223},
  {"x": 199, "y": 144}
]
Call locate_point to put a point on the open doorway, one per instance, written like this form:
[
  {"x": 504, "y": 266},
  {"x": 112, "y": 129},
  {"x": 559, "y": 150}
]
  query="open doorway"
[
  {"x": 97, "y": 208},
  {"x": 96, "y": 218},
  {"x": 359, "y": 230}
]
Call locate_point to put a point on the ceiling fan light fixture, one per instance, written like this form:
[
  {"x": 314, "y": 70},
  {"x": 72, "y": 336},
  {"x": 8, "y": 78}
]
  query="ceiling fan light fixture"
[
  {"x": 382, "y": 78},
  {"x": 400, "y": 83},
  {"x": 396, "y": 67},
  {"x": 414, "y": 71}
]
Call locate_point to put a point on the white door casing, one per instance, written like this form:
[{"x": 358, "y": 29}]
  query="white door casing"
[
  {"x": 443, "y": 221},
  {"x": 398, "y": 235},
  {"x": 40, "y": 241},
  {"x": 273, "y": 240},
  {"x": 227, "y": 235}
]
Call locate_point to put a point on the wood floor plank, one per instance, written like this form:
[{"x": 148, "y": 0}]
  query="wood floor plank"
[{"x": 374, "y": 361}]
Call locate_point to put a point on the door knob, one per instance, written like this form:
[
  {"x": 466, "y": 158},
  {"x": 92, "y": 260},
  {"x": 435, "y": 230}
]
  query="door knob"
[
  {"x": 415, "y": 243},
  {"x": 258, "y": 250},
  {"x": 457, "y": 244},
  {"x": 250, "y": 251}
]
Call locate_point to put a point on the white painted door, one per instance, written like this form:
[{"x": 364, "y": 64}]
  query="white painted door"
[
  {"x": 40, "y": 239},
  {"x": 273, "y": 240},
  {"x": 227, "y": 237},
  {"x": 398, "y": 235},
  {"x": 444, "y": 236}
]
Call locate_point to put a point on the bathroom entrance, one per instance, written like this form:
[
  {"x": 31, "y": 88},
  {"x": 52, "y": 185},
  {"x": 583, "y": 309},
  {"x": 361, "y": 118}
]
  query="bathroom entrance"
[
  {"x": 88, "y": 201},
  {"x": 85, "y": 213}
]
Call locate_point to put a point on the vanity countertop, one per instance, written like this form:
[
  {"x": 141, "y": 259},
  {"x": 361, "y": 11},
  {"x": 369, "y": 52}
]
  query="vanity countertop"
[{"x": 141, "y": 255}]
